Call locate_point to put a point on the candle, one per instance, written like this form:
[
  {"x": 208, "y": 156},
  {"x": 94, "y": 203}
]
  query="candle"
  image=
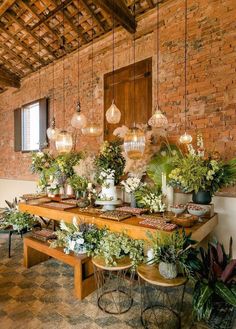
[{"x": 163, "y": 183}]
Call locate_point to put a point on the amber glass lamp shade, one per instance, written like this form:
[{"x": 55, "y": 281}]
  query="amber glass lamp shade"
[
  {"x": 134, "y": 143},
  {"x": 158, "y": 119},
  {"x": 185, "y": 138},
  {"x": 92, "y": 130},
  {"x": 64, "y": 142},
  {"x": 113, "y": 114},
  {"x": 78, "y": 119}
]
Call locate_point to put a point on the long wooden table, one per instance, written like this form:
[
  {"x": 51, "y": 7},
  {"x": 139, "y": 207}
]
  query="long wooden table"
[{"x": 130, "y": 226}]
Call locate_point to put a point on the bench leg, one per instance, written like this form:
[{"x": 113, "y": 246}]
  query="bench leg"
[
  {"x": 78, "y": 281},
  {"x": 33, "y": 257},
  {"x": 9, "y": 244}
]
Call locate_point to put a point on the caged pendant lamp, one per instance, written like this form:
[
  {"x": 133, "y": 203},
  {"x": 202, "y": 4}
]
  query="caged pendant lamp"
[
  {"x": 52, "y": 131},
  {"x": 185, "y": 138},
  {"x": 158, "y": 119},
  {"x": 64, "y": 141},
  {"x": 78, "y": 119},
  {"x": 92, "y": 129},
  {"x": 134, "y": 140},
  {"x": 113, "y": 114}
]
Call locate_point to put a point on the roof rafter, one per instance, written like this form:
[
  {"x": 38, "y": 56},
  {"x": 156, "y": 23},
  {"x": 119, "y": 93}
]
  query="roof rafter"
[
  {"x": 120, "y": 11},
  {"x": 92, "y": 13},
  {"x": 6, "y": 5},
  {"x": 8, "y": 79}
]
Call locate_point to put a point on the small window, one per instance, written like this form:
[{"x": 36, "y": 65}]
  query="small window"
[{"x": 30, "y": 126}]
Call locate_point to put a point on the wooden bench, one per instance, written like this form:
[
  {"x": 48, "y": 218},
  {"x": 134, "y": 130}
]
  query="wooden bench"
[{"x": 36, "y": 252}]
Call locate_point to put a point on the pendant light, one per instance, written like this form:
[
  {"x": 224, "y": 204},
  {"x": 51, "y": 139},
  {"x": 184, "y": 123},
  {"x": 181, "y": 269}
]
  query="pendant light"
[
  {"x": 92, "y": 129},
  {"x": 78, "y": 119},
  {"x": 113, "y": 114},
  {"x": 185, "y": 138},
  {"x": 134, "y": 140},
  {"x": 64, "y": 141},
  {"x": 158, "y": 119},
  {"x": 52, "y": 131}
]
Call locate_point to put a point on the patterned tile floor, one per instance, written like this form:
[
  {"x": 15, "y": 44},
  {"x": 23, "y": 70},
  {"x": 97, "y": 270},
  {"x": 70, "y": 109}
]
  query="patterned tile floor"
[{"x": 42, "y": 298}]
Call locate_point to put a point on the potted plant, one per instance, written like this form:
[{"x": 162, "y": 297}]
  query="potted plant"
[
  {"x": 114, "y": 246},
  {"x": 150, "y": 198},
  {"x": 77, "y": 237},
  {"x": 173, "y": 253},
  {"x": 202, "y": 175},
  {"x": 79, "y": 185},
  {"x": 214, "y": 294},
  {"x": 131, "y": 185},
  {"x": 110, "y": 158}
]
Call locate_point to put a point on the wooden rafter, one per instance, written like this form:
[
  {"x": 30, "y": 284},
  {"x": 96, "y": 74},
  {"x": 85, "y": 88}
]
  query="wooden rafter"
[
  {"x": 21, "y": 44},
  {"x": 12, "y": 53},
  {"x": 120, "y": 11},
  {"x": 8, "y": 79},
  {"x": 92, "y": 13},
  {"x": 11, "y": 67},
  {"x": 5, "y": 6},
  {"x": 151, "y": 3},
  {"x": 19, "y": 21}
]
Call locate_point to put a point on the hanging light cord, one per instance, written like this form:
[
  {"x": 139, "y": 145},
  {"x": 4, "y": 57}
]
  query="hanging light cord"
[
  {"x": 113, "y": 54},
  {"x": 134, "y": 13},
  {"x": 92, "y": 57},
  {"x": 78, "y": 62},
  {"x": 185, "y": 65},
  {"x": 158, "y": 51},
  {"x": 63, "y": 20}
]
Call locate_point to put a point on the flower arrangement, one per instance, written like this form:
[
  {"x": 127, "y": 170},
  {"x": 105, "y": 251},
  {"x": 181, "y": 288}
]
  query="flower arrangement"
[
  {"x": 197, "y": 172},
  {"x": 79, "y": 238},
  {"x": 114, "y": 246},
  {"x": 176, "y": 249},
  {"x": 106, "y": 175},
  {"x": 78, "y": 183},
  {"x": 110, "y": 158},
  {"x": 150, "y": 198},
  {"x": 132, "y": 184}
]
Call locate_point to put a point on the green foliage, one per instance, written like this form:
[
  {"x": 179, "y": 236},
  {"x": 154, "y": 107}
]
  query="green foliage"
[
  {"x": 114, "y": 246},
  {"x": 110, "y": 157},
  {"x": 150, "y": 198},
  {"x": 163, "y": 162},
  {"x": 20, "y": 220},
  {"x": 214, "y": 279},
  {"x": 176, "y": 248},
  {"x": 78, "y": 183},
  {"x": 195, "y": 173}
]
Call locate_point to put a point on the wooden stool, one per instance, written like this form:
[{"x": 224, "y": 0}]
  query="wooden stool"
[
  {"x": 160, "y": 307},
  {"x": 114, "y": 285}
]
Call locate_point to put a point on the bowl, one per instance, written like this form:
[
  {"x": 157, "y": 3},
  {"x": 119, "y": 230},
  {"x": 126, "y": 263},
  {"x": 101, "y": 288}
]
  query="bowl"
[
  {"x": 186, "y": 220},
  {"x": 197, "y": 211},
  {"x": 178, "y": 209}
]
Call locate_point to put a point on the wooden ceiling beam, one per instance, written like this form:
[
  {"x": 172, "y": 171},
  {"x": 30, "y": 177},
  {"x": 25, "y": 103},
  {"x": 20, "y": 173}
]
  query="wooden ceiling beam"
[
  {"x": 8, "y": 79},
  {"x": 6, "y": 5},
  {"x": 12, "y": 67},
  {"x": 12, "y": 53},
  {"x": 21, "y": 44},
  {"x": 92, "y": 13},
  {"x": 20, "y": 22},
  {"x": 150, "y": 3},
  {"x": 33, "y": 12},
  {"x": 72, "y": 25},
  {"x": 120, "y": 11}
]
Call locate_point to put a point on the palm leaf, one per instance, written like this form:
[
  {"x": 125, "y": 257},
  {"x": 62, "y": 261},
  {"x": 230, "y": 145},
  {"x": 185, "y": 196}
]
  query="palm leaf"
[{"x": 224, "y": 292}]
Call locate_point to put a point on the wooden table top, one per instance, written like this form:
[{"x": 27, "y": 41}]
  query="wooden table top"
[{"x": 130, "y": 225}]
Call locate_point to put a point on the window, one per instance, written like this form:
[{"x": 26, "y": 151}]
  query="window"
[{"x": 30, "y": 126}]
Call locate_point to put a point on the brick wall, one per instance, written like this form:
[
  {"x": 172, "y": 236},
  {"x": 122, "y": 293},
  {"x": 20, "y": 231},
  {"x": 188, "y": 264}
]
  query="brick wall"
[{"x": 211, "y": 79}]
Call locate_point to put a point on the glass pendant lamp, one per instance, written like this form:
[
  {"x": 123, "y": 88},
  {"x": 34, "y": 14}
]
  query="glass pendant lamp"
[
  {"x": 52, "y": 131},
  {"x": 78, "y": 119},
  {"x": 92, "y": 129},
  {"x": 185, "y": 138},
  {"x": 113, "y": 114},
  {"x": 134, "y": 140},
  {"x": 64, "y": 141},
  {"x": 158, "y": 119}
]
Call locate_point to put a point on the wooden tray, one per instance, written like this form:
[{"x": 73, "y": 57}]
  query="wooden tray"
[
  {"x": 58, "y": 206},
  {"x": 133, "y": 211},
  {"x": 115, "y": 215},
  {"x": 158, "y": 224}
]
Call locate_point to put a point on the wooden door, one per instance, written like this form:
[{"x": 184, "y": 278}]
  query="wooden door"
[{"x": 124, "y": 95}]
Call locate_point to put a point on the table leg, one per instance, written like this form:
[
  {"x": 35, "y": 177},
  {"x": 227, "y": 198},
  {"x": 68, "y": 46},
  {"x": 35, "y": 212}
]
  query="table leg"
[{"x": 9, "y": 244}]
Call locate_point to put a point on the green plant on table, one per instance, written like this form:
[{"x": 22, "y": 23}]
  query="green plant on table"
[
  {"x": 150, "y": 198},
  {"x": 78, "y": 183},
  {"x": 215, "y": 280},
  {"x": 114, "y": 246},
  {"x": 19, "y": 220},
  {"x": 175, "y": 248},
  {"x": 110, "y": 158}
]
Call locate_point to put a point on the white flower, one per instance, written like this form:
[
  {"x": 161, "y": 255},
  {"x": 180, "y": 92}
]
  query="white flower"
[{"x": 80, "y": 241}]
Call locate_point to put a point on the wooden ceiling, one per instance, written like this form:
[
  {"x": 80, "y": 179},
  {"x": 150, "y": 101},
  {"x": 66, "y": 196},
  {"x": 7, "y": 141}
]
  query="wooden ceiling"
[{"x": 33, "y": 33}]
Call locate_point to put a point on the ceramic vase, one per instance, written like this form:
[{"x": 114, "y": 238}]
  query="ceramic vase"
[
  {"x": 202, "y": 197},
  {"x": 168, "y": 270},
  {"x": 132, "y": 200}
]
